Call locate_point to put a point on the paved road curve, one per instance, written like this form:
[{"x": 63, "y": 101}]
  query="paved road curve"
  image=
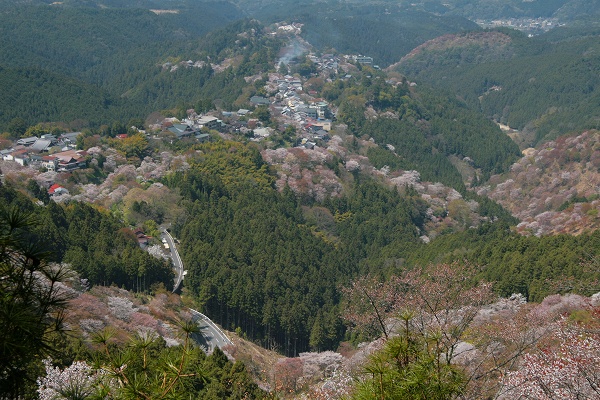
[{"x": 211, "y": 335}]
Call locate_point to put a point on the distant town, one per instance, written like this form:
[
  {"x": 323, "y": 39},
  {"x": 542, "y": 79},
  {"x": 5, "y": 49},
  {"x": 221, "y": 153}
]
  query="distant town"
[{"x": 532, "y": 26}]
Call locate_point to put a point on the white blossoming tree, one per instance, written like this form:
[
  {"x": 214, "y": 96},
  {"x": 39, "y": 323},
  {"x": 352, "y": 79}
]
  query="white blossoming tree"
[
  {"x": 76, "y": 382},
  {"x": 569, "y": 369}
]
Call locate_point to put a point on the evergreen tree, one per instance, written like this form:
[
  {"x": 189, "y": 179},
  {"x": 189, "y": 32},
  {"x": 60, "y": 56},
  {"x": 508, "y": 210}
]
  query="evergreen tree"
[{"x": 31, "y": 303}]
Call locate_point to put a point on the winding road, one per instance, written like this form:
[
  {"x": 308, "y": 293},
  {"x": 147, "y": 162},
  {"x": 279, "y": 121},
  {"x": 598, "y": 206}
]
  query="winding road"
[
  {"x": 177, "y": 263},
  {"x": 210, "y": 335}
]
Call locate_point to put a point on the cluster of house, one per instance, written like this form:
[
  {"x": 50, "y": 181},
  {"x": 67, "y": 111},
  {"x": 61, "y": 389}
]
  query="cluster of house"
[
  {"x": 251, "y": 127},
  {"x": 529, "y": 25},
  {"x": 290, "y": 104},
  {"x": 326, "y": 62},
  {"x": 308, "y": 114},
  {"x": 55, "y": 153},
  {"x": 363, "y": 60},
  {"x": 192, "y": 126},
  {"x": 295, "y": 28},
  {"x": 332, "y": 62}
]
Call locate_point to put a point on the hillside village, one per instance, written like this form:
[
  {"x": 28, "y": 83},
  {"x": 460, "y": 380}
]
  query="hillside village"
[
  {"x": 287, "y": 104},
  {"x": 287, "y": 109}
]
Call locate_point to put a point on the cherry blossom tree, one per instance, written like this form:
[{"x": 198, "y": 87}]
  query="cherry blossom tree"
[
  {"x": 424, "y": 315},
  {"x": 336, "y": 386},
  {"x": 369, "y": 303},
  {"x": 121, "y": 307},
  {"x": 441, "y": 297},
  {"x": 569, "y": 369},
  {"x": 77, "y": 382},
  {"x": 286, "y": 375}
]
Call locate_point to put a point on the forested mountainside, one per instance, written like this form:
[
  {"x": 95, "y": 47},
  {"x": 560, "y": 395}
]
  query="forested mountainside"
[
  {"x": 553, "y": 189},
  {"x": 33, "y": 94},
  {"x": 98, "y": 45},
  {"x": 425, "y": 120},
  {"x": 130, "y": 51},
  {"x": 543, "y": 86},
  {"x": 384, "y": 31},
  {"x": 472, "y": 9},
  {"x": 135, "y": 60},
  {"x": 272, "y": 264},
  {"x": 96, "y": 244},
  {"x": 138, "y": 58},
  {"x": 254, "y": 253},
  {"x": 192, "y": 17}
]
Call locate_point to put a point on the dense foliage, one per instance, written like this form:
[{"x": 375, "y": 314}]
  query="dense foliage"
[
  {"x": 418, "y": 313},
  {"x": 533, "y": 266},
  {"x": 37, "y": 95},
  {"x": 546, "y": 86},
  {"x": 145, "y": 368},
  {"x": 103, "y": 251},
  {"x": 566, "y": 10},
  {"x": 383, "y": 32},
  {"x": 31, "y": 301},
  {"x": 259, "y": 261},
  {"x": 95, "y": 243},
  {"x": 424, "y": 129},
  {"x": 272, "y": 264},
  {"x": 472, "y": 9},
  {"x": 90, "y": 65}
]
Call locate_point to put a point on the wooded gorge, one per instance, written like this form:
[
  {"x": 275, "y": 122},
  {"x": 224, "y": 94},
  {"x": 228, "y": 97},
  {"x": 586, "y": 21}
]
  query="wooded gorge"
[{"x": 546, "y": 86}]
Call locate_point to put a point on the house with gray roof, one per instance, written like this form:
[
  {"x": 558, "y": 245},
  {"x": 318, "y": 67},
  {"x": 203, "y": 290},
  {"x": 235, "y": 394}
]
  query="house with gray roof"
[
  {"x": 259, "y": 101},
  {"x": 208, "y": 121},
  {"x": 70, "y": 137},
  {"x": 27, "y": 141},
  {"x": 182, "y": 130},
  {"x": 41, "y": 145}
]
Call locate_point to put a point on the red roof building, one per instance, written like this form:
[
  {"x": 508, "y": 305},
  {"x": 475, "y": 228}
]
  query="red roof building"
[{"x": 56, "y": 189}]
